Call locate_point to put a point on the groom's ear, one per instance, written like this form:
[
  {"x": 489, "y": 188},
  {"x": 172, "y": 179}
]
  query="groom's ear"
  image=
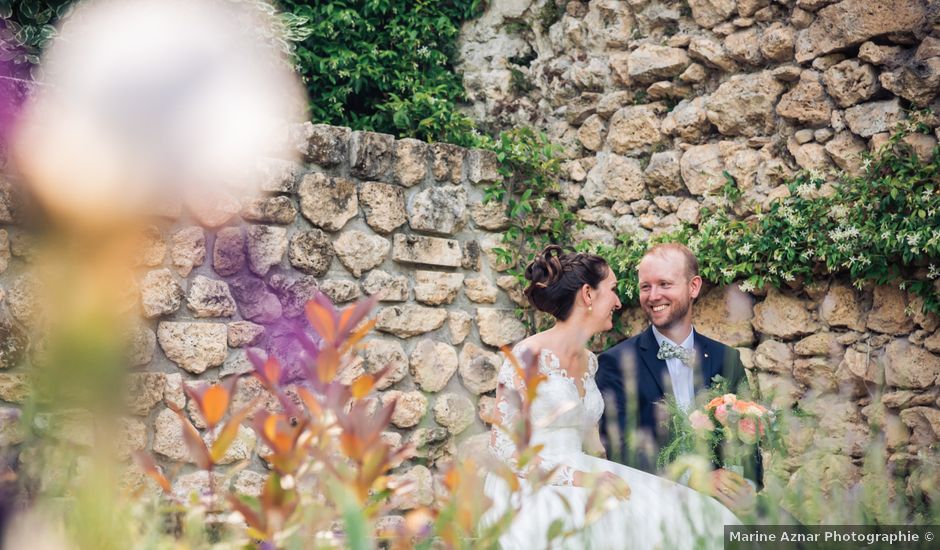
[{"x": 695, "y": 286}]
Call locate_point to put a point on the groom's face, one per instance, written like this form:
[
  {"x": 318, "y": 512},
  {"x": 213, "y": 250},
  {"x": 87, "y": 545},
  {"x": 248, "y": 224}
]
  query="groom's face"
[{"x": 666, "y": 289}]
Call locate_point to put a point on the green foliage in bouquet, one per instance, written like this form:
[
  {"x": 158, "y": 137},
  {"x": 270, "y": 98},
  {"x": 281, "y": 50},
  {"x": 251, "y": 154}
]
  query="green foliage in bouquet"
[{"x": 720, "y": 427}]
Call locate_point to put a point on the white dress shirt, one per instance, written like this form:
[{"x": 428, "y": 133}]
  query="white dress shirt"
[{"x": 682, "y": 375}]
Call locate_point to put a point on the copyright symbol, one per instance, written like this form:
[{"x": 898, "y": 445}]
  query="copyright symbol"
[{"x": 928, "y": 536}]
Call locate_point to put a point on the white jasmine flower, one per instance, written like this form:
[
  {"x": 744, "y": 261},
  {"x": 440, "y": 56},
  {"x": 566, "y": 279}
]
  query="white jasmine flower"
[
  {"x": 805, "y": 190},
  {"x": 746, "y": 286}
]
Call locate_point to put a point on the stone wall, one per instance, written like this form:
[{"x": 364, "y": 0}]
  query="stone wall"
[
  {"x": 364, "y": 214},
  {"x": 652, "y": 100}
]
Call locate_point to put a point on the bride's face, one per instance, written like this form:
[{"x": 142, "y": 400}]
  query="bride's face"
[{"x": 604, "y": 303}]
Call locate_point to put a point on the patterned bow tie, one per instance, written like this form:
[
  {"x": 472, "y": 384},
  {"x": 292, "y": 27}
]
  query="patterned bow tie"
[{"x": 668, "y": 350}]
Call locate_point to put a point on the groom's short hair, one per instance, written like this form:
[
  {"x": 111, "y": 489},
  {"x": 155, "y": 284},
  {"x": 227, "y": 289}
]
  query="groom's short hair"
[{"x": 661, "y": 249}]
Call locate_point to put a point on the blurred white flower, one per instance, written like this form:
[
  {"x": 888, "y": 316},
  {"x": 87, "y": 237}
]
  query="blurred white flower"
[{"x": 149, "y": 99}]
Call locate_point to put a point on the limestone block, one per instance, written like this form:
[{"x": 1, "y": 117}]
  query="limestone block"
[
  {"x": 432, "y": 364},
  {"x": 478, "y": 368},
  {"x": 311, "y": 252},
  {"x": 371, "y": 155},
  {"x": 807, "y": 102},
  {"x": 633, "y": 127},
  {"x": 391, "y": 288},
  {"x": 228, "y": 255},
  {"x": 447, "y": 162},
  {"x": 278, "y": 210},
  {"x": 266, "y": 246},
  {"x": 614, "y": 178},
  {"x": 278, "y": 175},
  {"x": 416, "y": 489},
  {"x": 360, "y": 252},
  {"x": 383, "y": 205},
  {"x": 888, "y": 314},
  {"x": 458, "y": 325},
  {"x": 441, "y": 210},
  {"x": 378, "y": 354},
  {"x": 783, "y": 316},
  {"x": 910, "y": 367},
  {"x": 193, "y": 346},
  {"x": 453, "y": 411},
  {"x": 701, "y": 167},
  {"x": 409, "y": 320},
  {"x": 328, "y": 202},
  {"x": 255, "y": 302},
  {"x": 744, "y": 104},
  {"x": 868, "y": 119},
  {"x": 725, "y": 314},
  {"x": 187, "y": 249},
  {"x": 160, "y": 293},
  {"x": 293, "y": 292},
  {"x": 244, "y": 333},
  {"x": 851, "y": 22},
  {"x": 210, "y": 298},
  {"x": 499, "y": 327},
  {"x": 851, "y": 82},
  {"x": 773, "y": 356},
  {"x": 482, "y": 167},
  {"x": 143, "y": 391},
  {"x": 480, "y": 290},
  {"x": 326, "y": 145},
  {"x": 649, "y": 63},
  {"x": 432, "y": 251},
  {"x": 841, "y": 308},
  {"x": 436, "y": 287},
  {"x": 340, "y": 291},
  {"x": 776, "y": 42},
  {"x": 411, "y": 161}
]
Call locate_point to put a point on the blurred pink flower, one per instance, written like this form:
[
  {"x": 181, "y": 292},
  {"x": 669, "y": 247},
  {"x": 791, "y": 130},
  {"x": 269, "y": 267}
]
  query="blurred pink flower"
[{"x": 701, "y": 422}]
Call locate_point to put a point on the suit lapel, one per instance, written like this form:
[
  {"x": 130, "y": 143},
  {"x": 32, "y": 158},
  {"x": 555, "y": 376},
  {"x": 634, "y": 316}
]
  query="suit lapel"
[
  {"x": 705, "y": 370},
  {"x": 653, "y": 366}
]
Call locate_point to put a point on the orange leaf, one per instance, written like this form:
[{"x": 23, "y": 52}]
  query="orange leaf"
[
  {"x": 214, "y": 404},
  {"x": 270, "y": 373},
  {"x": 312, "y": 403},
  {"x": 228, "y": 433},
  {"x": 362, "y": 386},
  {"x": 358, "y": 335},
  {"x": 322, "y": 320},
  {"x": 150, "y": 468},
  {"x": 194, "y": 442},
  {"x": 327, "y": 364}
]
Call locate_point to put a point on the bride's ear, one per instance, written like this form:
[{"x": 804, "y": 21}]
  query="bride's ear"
[{"x": 585, "y": 293}]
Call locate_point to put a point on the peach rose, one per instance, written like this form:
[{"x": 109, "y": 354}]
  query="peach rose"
[
  {"x": 747, "y": 430},
  {"x": 714, "y": 403},
  {"x": 701, "y": 422},
  {"x": 721, "y": 414}
]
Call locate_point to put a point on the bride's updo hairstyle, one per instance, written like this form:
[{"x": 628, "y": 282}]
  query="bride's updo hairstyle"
[{"x": 555, "y": 277}]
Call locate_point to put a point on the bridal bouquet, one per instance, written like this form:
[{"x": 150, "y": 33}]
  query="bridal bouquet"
[{"x": 726, "y": 430}]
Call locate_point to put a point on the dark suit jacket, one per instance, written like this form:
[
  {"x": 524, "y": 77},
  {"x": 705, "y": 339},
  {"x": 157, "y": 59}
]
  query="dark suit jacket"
[{"x": 633, "y": 382}]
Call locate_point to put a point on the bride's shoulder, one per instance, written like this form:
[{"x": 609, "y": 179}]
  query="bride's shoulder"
[
  {"x": 592, "y": 362},
  {"x": 532, "y": 344}
]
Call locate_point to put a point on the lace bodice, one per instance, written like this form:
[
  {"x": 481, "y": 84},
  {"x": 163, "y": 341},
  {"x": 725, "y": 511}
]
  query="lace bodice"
[{"x": 561, "y": 418}]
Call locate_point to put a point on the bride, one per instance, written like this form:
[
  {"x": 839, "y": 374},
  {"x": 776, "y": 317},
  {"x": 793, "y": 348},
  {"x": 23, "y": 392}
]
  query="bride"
[{"x": 642, "y": 510}]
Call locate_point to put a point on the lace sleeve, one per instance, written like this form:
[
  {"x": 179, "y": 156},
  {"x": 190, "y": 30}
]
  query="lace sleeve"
[{"x": 502, "y": 445}]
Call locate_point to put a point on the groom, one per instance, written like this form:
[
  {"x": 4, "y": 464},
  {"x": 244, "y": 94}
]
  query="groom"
[{"x": 670, "y": 357}]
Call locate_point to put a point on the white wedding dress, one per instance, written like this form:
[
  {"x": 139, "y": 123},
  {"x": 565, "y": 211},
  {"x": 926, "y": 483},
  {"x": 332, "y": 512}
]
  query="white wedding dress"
[{"x": 659, "y": 512}]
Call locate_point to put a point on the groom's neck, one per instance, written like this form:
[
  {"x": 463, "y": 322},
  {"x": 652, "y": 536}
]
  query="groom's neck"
[{"x": 677, "y": 332}]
